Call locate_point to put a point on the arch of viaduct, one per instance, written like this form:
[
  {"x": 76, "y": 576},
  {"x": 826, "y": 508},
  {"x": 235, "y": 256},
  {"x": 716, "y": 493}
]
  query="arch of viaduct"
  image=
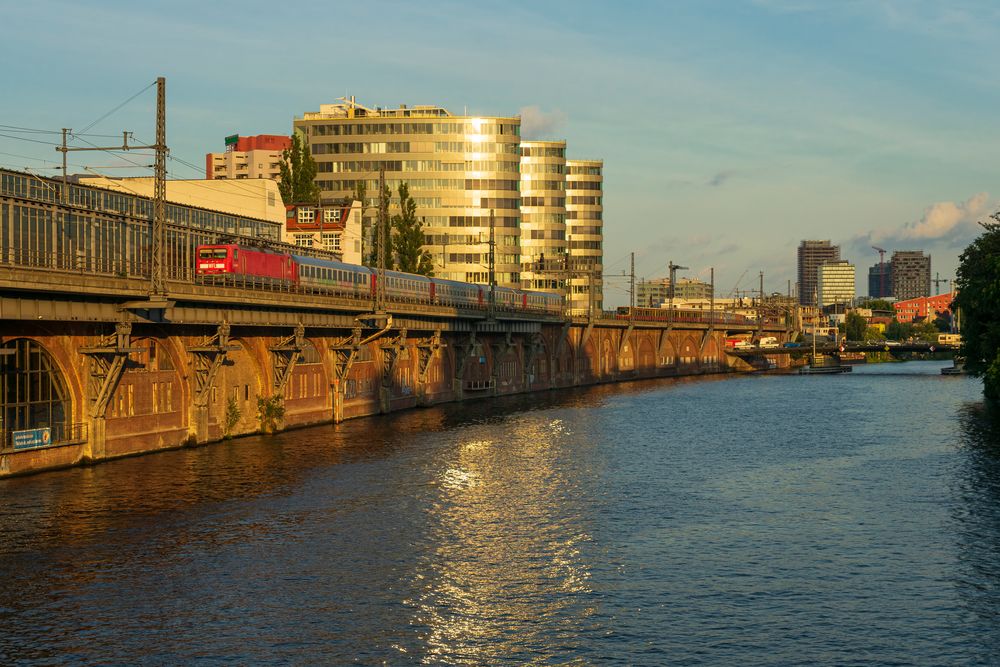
[{"x": 145, "y": 387}]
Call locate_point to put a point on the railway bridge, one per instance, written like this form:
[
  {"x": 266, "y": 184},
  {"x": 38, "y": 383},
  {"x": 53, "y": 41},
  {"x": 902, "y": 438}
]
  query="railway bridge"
[{"x": 92, "y": 367}]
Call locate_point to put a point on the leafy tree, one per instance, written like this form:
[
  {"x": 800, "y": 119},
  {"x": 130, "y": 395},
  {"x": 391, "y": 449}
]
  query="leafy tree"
[
  {"x": 856, "y": 326},
  {"x": 878, "y": 304},
  {"x": 872, "y": 334},
  {"x": 408, "y": 237},
  {"x": 270, "y": 411},
  {"x": 978, "y": 295},
  {"x": 371, "y": 259},
  {"x": 943, "y": 322},
  {"x": 298, "y": 174},
  {"x": 898, "y": 330},
  {"x": 925, "y": 331}
]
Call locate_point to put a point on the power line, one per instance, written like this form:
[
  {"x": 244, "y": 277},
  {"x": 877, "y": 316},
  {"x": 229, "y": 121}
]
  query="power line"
[
  {"x": 35, "y": 130},
  {"x": 118, "y": 107},
  {"x": 34, "y": 141}
]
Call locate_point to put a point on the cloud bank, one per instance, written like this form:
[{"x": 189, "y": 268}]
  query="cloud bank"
[{"x": 538, "y": 124}]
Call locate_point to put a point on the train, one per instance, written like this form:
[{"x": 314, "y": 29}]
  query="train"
[
  {"x": 263, "y": 266},
  {"x": 680, "y": 315}
]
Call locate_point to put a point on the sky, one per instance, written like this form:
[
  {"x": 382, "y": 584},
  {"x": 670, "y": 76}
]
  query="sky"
[{"x": 730, "y": 130}]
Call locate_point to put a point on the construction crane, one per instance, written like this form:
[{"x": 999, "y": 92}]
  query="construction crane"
[
  {"x": 937, "y": 282},
  {"x": 881, "y": 270},
  {"x": 673, "y": 279}
]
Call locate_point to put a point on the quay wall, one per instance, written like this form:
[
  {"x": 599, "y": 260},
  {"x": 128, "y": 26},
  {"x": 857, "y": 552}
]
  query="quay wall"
[{"x": 154, "y": 387}]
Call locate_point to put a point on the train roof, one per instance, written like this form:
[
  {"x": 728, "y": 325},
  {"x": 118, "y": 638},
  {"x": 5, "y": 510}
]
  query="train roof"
[{"x": 331, "y": 264}]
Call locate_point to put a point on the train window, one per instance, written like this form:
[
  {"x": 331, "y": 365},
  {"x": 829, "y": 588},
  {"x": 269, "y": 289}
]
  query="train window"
[{"x": 211, "y": 253}]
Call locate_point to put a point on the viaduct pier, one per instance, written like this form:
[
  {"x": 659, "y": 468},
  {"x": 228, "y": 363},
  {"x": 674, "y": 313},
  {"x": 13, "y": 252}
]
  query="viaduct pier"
[{"x": 93, "y": 368}]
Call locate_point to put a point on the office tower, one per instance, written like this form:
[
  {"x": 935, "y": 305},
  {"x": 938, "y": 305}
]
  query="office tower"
[
  {"x": 544, "y": 261},
  {"x": 911, "y": 274},
  {"x": 458, "y": 169},
  {"x": 835, "y": 283},
  {"x": 812, "y": 255},
  {"x": 585, "y": 233}
]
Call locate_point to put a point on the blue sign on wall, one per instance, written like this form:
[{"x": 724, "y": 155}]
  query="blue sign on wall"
[{"x": 36, "y": 437}]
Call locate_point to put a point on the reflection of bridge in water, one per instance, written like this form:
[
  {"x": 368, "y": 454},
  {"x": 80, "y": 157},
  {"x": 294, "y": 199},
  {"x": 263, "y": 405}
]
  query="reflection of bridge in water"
[
  {"x": 837, "y": 350},
  {"x": 101, "y": 370}
]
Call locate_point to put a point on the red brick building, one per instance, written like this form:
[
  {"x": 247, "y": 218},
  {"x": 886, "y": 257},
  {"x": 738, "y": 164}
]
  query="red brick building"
[{"x": 924, "y": 307}]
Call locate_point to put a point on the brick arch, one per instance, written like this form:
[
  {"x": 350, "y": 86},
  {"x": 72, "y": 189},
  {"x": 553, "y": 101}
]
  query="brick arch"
[
  {"x": 711, "y": 355},
  {"x": 687, "y": 352},
  {"x": 609, "y": 357},
  {"x": 627, "y": 359},
  {"x": 645, "y": 357},
  {"x": 71, "y": 401},
  {"x": 667, "y": 354},
  {"x": 242, "y": 378},
  {"x": 588, "y": 366},
  {"x": 563, "y": 364}
]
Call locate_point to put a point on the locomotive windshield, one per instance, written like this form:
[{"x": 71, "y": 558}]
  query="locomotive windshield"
[{"x": 212, "y": 253}]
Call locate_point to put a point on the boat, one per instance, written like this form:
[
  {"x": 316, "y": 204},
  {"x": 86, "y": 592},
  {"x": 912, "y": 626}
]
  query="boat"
[
  {"x": 957, "y": 368},
  {"x": 820, "y": 364}
]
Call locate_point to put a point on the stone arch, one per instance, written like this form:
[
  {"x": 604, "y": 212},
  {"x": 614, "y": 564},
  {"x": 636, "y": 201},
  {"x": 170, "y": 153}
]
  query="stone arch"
[
  {"x": 34, "y": 392},
  {"x": 541, "y": 369},
  {"x": 508, "y": 368},
  {"x": 307, "y": 386}
]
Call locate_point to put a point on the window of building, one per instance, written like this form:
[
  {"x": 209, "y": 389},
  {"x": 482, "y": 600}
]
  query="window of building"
[{"x": 331, "y": 215}]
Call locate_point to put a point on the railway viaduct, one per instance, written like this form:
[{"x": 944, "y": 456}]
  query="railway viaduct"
[{"x": 112, "y": 374}]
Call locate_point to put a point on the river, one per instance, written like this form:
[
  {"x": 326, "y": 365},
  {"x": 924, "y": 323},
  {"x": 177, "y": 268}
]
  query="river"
[{"x": 758, "y": 520}]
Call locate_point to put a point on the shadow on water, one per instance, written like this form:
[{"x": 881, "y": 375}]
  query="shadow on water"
[{"x": 977, "y": 524}]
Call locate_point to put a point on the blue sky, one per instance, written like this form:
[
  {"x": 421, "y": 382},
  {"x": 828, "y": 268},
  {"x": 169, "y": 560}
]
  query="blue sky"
[{"x": 729, "y": 130}]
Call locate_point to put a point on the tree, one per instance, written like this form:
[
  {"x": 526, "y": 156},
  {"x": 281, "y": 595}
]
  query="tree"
[
  {"x": 978, "y": 285},
  {"x": 298, "y": 174},
  {"x": 877, "y": 304},
  {"x": 855, "y": 326},
  {"x": 375, "y": 246},
  {"x": 898, "y": 330},
  {"x": 408, "y": 237}
]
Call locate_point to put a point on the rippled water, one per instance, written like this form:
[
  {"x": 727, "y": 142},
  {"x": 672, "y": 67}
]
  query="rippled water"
[{"x": 753, "y": 520}]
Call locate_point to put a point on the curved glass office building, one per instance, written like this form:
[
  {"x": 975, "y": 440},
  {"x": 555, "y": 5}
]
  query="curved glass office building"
[{"x": 458, "y": 168}]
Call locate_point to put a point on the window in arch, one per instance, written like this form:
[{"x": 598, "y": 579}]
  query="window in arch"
[{"x": 32, "y": 391}]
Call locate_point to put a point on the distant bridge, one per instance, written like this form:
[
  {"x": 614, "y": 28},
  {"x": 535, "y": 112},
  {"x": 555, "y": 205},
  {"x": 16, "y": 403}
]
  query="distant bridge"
[{"x": 837, "y": 350}]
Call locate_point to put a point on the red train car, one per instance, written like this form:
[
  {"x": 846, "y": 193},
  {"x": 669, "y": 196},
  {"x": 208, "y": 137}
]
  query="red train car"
[{"x": 232, "y": 260}]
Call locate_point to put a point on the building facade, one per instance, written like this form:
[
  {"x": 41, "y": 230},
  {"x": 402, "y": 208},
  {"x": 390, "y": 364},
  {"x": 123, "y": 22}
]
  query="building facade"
[
  {"x": 812, "y": 255},
  {"x": 911, "y": 274},
  {"x": 459, "y": 170},
  {"x": 585, "y": 234},
  {"x": 880, "y": 280},
  {"x": 835, "y": 283},
  {"x": 248, "y": 157},
  {"x": 544, "y": 260},
  {"x": 924, "y": 307},
  {"x": 335, "y": 228}
]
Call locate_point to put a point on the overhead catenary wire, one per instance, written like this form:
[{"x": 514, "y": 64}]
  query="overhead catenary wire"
[{"x": 118, "y": 107}]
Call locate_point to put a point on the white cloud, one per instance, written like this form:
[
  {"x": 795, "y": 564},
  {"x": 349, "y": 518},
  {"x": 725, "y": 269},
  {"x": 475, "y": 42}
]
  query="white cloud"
[{"x": 538, "y": 124}]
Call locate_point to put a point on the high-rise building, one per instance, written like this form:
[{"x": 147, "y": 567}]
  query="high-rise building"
[
  {"x": 248, "y": 157},
  {"x": 585, "y": 234},
  {"x": 835, "y": 283},
  {"x": 812, "y": 255},
  {"x": 543, "y": 215},
  {"x": 880, "y": 280},
  {"x": 911, "y": 274},
  {"x": 458, "y": 169},
  {"x": 652, "y": 293}
]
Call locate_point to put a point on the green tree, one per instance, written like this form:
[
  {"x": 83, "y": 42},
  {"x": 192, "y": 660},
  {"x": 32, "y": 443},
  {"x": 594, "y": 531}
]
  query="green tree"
[
  {"x": 978, "y": 297},
  {"x": 270, "y": 411},
  {"x": 856, "y": 326},
  {"x": 898, "y": 330},
  {"x": 371, "y": 258},
  {"x": 408, "y": 237},
  {"x": 877, "y": 304},
  {"x": 298, "y": 174}
]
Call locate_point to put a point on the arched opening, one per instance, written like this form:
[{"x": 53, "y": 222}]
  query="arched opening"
[{"x": 33, "y": 395}]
